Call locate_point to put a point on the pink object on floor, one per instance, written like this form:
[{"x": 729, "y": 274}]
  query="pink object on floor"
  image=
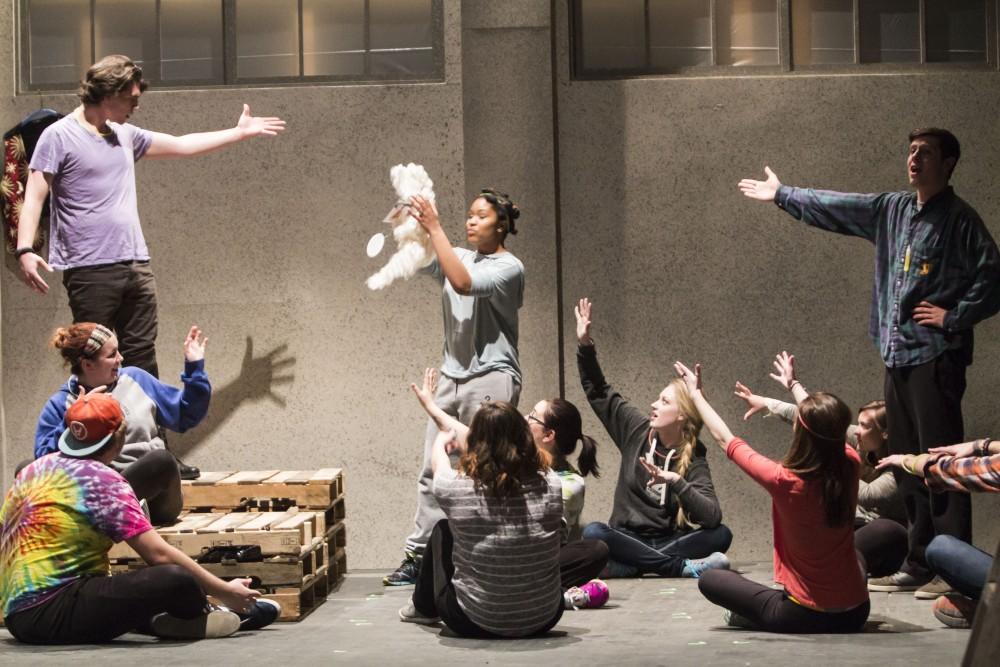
[{"x": 597, "y": 592}]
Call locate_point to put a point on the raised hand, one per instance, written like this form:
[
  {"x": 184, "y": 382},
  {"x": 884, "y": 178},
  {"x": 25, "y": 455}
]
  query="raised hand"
[
  {"x": 761, "y": 190},
  {"x": 252, "y": 126},
  {"x": 754, "y": 402},
  {"x": 29, "y": 264},
  {"x": 582, "y": 312},
  {"x": 426, "y": 213},
  {"x": 784, "y": 370},
  {"x": 692, "y": 379},
  {"x": 194, "y": 345},
  {"x": 658, "y": 476},
  {"x": 425, "y": 393}
]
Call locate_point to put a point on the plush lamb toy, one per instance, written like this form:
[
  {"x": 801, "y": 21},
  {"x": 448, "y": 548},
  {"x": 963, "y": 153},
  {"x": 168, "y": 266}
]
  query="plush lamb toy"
[{"x": 414, "y": 244}]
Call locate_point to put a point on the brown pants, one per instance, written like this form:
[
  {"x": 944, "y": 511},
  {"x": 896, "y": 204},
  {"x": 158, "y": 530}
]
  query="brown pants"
[{"x": 122, "y": 297}]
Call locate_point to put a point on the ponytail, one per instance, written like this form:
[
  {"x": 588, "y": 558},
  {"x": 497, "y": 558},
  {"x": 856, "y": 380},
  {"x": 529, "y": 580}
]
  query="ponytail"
[
  {"x": 563, "y": 417},
  {"x": 587, "y": 461}
]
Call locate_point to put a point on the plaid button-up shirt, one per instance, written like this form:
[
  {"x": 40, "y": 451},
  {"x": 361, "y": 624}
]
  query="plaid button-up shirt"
[
  {"x": 940, "y": 252},
  {"x": 973, "y": 473}
]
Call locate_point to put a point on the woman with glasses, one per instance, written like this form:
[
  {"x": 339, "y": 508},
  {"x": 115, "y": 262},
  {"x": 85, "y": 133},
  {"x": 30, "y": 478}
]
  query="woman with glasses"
[
  {"x": 481, "y": 292},
  {"x": 671, "y": 526}
]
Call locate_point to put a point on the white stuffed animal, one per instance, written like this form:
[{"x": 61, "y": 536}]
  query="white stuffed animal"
[{"x": 414, "y": 244}]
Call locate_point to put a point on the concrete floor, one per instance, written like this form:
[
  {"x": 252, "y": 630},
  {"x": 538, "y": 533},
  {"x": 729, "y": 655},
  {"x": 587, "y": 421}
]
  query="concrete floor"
[{"x": 646, "y": 622}]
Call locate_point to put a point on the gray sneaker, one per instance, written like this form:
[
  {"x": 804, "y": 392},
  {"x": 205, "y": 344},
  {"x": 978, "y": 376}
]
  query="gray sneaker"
[
  {"x": 216, "y": 622},
  {"x": 900, "y": 581},
  {"x": 933, "y": 589}
]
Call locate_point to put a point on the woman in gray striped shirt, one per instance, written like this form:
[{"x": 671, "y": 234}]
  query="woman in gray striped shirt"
[{"x": 491, "y": 568}]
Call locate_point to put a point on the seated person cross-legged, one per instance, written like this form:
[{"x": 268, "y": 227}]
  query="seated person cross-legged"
[{"x": 59, "y": 520}]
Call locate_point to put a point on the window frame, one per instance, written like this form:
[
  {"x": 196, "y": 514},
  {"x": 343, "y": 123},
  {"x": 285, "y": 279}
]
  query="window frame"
[
  {"x": 786, "y": 64},
  {"x": 229, "y": 56}
]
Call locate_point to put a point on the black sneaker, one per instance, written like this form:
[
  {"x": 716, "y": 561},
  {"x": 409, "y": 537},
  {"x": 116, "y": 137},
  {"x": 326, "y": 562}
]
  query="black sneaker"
[
  {"x": 405, "y": 574},
  {"x": 187, "y": 472},
  {"x": 263, "y": 613}
]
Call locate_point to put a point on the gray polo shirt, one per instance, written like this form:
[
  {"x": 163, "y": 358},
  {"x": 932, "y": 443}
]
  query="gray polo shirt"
[{"x": 480, "y": 330}]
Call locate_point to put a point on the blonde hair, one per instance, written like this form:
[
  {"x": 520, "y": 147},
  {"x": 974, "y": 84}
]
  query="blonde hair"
[{"x": 690, "y": 428}]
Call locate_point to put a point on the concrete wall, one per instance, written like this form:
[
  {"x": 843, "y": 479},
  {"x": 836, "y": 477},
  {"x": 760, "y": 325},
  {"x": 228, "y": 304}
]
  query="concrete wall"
[
  {"x": 681, "y": 266},
  {"x": 262, "y": 246}
]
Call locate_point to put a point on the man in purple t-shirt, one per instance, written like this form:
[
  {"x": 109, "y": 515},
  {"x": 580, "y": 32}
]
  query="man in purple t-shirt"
[{"x": 87, "y": 162}]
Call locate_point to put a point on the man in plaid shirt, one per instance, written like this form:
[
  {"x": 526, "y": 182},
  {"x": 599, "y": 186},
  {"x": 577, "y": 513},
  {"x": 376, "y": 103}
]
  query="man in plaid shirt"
[{"x": 937, "y": 274}]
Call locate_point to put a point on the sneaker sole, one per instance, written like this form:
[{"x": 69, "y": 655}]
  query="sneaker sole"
[
  {"x": 960, "y": 622},
  {"x": 386, "y": 582},
  {"x": 891, "y": 588},
  {"x": 210, "y": 626},
  {"x": 930, "y": 595},
  {"x": 419, "y": 620}
]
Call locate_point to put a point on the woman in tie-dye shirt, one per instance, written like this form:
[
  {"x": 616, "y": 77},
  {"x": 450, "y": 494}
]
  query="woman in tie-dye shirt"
[{"x": 57, "y": 524}]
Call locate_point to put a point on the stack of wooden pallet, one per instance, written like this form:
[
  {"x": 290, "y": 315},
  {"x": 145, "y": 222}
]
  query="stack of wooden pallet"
[{"x": 296, "y": 518}]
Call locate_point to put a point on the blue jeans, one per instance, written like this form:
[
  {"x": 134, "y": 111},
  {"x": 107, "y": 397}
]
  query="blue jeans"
[
  {"x": 960, "y": 564},
  {"x": 661, "y": 554}
]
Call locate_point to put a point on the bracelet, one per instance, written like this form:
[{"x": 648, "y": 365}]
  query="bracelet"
[
  {"x": 792, "y": 385},
  {"x": 983, "y": 447},
  {"x": 23, "y": 251},
  {"x": 909, "y": 464}
]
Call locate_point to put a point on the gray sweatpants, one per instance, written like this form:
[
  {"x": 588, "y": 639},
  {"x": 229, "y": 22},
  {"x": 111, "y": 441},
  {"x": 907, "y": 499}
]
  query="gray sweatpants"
[{"x": 460, "y": 399}]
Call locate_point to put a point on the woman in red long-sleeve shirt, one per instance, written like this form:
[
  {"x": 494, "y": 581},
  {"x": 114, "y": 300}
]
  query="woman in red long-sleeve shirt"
[{"x": 814, "y": 494}]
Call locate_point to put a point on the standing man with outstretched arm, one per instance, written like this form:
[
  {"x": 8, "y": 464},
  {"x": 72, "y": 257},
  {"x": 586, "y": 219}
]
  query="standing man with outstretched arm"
[
  {"x": 937, "y": 274},
  {"x": 86, "y": 161}
]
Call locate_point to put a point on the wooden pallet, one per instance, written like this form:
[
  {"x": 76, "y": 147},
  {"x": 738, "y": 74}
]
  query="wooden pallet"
[
  {"x": 289, "y": 533},
  {"x": 313, "y": 489}
]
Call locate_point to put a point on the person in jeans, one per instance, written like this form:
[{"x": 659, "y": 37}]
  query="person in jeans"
[
  {"x": 669, "y": 524},
  {"x": 91, "y": 351},
  {"x": 966, "y": 467},
  {"x": 481, "y": 293},
  {"x": 57, "y": 523},
  {"x": 491, "y": 567},
  {"x": 937, "y": 275},
  {"x": 813, "y": 493}
]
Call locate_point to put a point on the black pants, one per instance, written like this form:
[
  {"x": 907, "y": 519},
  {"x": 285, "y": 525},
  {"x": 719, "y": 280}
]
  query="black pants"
[
  {"x": 155, "y": 478},
  {"x": 581, "y": 561},
  {"x": 881, "y": 547},
  {"x": 924, "y": 409},
  {"x": 434, "y": 593},
  {"x": 771, "y": 610},
  {"x": 122, "y": 297},
  {"x": 98, "y": 609}
]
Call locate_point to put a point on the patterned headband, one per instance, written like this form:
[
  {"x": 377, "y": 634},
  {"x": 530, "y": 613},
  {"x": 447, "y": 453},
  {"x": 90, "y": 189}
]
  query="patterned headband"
[{"x": 98, "y": 337}]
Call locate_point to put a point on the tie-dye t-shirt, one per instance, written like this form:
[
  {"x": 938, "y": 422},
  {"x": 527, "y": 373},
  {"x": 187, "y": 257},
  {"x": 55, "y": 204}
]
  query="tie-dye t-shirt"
[{"x": 57, "y": 524}]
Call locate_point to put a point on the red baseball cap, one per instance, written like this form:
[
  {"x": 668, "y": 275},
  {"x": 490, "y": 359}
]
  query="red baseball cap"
[{"x": 90, "y": 423}]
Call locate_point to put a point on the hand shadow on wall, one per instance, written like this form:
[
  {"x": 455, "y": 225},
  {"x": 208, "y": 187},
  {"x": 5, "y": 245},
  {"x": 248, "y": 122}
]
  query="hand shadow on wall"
[{"x": 258, "y": 379}]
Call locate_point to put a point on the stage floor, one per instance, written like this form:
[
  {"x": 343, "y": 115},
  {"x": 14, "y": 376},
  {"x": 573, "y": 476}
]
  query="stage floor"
[{"x": 647, "y": 622}]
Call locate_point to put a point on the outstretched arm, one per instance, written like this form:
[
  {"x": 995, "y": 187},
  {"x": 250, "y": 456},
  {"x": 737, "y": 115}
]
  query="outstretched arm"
[
  {"x": 451, "y": 265},
  {"x": 716, "y": 426},
  {"x": 784, "y": 374},
  {"x": 167, "y": 145}
]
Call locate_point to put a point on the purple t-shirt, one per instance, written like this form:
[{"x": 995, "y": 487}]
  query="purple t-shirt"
[{"x": 93, "y": 214}]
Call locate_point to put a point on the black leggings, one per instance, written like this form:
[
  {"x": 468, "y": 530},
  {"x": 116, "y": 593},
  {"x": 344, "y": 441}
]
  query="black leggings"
[
  {"x": 881, "y": 547},
  {"x": 97, "y": 609},
  {"x": 772, "y": 610},
  {"x": 154, "y": 478},
  {"x": 581, "y": 561},
  {"x": 434, "y": 594}
]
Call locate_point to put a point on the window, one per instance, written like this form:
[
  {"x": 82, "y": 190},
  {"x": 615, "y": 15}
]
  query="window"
[
  {"x": 638, "y": 37},
  {"x": 218, "y": 42}
]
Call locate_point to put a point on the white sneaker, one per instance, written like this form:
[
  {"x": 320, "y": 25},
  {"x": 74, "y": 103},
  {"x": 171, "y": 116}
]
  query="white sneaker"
[
  {"x": 409, "y": 614},
  {"x": 212, "y": 624}
]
